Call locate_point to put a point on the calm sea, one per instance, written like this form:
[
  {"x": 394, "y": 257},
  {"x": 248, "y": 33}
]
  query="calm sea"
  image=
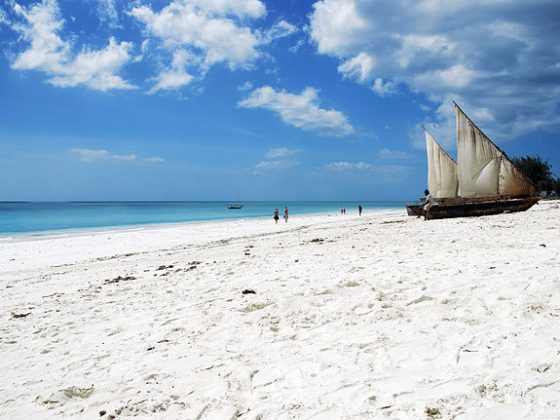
[{"x": 19, "y": 218}]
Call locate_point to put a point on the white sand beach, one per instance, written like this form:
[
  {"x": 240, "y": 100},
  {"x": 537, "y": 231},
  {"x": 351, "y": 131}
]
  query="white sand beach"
[{"x": 329, "y": 317}]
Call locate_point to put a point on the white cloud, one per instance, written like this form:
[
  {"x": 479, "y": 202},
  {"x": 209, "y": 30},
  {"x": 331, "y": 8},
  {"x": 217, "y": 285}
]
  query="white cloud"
[
  {"x": 245, "y": 86},
  {"x": 280, "y": 152},
  {"x": 336, "y": 26},
  {"x": 358, "y": 67},
  {"x": 96, "y": 69},
  {"x": 279, "y": 30},
  {"x": 295, "y": 48},
  {"x": 392, "y": 154},
  {"x": 40, "y": 25},
  {"x": 487, "y": 55},
  {"x": 347, "y": 166},
  {"x": 4, "y": 18},
  {"x": 383, "y": 88},
  {"x": 275, "y": 164},
  {"x": 211, "y": 31},
  {"x": 90, "y": 155},
  {"x": 301, "y": 111},
  {"x": 107, "y": 12},
  {"x": 267, "y": 165},
  {"x": 176, "y": 76}
]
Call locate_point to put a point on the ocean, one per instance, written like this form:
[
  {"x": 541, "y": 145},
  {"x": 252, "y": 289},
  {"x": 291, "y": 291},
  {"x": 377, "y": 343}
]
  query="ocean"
[{"x": 29, "y": 217}]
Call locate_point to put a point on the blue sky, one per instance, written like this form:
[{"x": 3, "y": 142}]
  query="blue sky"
[{"x": 265, "y": 100}]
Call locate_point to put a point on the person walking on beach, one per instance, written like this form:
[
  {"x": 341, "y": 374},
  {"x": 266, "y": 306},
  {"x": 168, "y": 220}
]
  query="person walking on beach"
[
  {"x": 360, "y": 209},
  {"x": 276, "y": 216},
  {"x": 286, "y": 214}
]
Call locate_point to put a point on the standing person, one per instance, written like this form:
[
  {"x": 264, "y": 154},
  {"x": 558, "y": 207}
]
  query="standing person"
[
  {"x": 286, "y": 214},
  {"x": 275, "y": 217},
  {"x": 360, "y": 209}
]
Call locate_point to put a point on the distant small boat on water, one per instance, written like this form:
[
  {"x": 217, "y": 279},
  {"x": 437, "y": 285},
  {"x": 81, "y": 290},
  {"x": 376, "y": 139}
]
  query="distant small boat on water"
[{"x": 235, "y": 206}]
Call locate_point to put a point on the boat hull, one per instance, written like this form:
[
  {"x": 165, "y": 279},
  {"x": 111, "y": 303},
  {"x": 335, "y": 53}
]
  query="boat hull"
[
  {"x": 443, "y": 208},
  {"x": 414, "y": 209}
]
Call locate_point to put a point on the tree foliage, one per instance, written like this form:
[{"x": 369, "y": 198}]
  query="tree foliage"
[{"x": 538, "y": 170}]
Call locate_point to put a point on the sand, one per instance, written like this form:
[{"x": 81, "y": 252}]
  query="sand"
[{"x": 373, "y": 317}]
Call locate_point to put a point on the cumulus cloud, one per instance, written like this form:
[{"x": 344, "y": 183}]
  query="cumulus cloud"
[
  {"x": 211, "y": 31},
  {"x": 383, "y": 88},
  {"x": 90, "y": 155},
  {"x": 174, "y": 77},
  {"x": 40, "y": 25},
  {"x": 497, "y": 59},
  {"x": 358, "y": 67},
  {"x": 300, "y": 110},
  {"x": 280, "y": 152}
]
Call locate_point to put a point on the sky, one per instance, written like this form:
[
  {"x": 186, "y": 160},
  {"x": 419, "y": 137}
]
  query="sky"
[{"x": 264, "y": 100}]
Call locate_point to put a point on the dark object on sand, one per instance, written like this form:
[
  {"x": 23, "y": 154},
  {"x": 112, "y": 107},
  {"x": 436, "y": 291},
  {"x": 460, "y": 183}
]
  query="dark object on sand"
[
  {"x": 443, "y": 208},
  {"x": 119, "y": 279},
  {"x": 249, "y": 292},
  {"x": 164, "y": 267},
  {"x": 14, "y": 315},
  {"x": 414, "y": 209}
]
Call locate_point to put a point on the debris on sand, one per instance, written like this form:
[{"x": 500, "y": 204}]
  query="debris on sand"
[
  {"x": 249, "y": 292},
  {"x": 164, "y": 267},
  {"x": 119, "y": 279},
  {"x": 21, "y": 315},
  {"x": 75, "y": 392},
  {"x": 433, "y": 412},
  {"x": 193, "y": 265}
]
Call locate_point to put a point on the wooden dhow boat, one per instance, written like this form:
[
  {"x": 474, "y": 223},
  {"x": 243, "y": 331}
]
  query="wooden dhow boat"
[{"x": 483, "y": 181}]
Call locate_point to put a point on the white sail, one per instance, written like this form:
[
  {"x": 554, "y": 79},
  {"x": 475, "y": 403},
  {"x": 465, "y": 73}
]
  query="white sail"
[
  {"x": 442, "y": 170},
  {"x": 483, "y": 169},
  {"x": 513, "y": 181}
]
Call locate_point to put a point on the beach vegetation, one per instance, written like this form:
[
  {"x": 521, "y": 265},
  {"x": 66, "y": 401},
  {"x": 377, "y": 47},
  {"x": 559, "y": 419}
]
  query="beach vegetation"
[{"x": 539, "y": 171}]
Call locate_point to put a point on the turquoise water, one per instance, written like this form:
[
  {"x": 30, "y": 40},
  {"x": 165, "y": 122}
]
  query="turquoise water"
[{"x": 19, "y": 218}]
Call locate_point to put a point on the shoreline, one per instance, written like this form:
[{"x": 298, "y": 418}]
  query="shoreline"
[
  {"x": 81, "y": 231},
  {"x": 86, "y": 229},
  {"x": 59, "y": 248}
]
